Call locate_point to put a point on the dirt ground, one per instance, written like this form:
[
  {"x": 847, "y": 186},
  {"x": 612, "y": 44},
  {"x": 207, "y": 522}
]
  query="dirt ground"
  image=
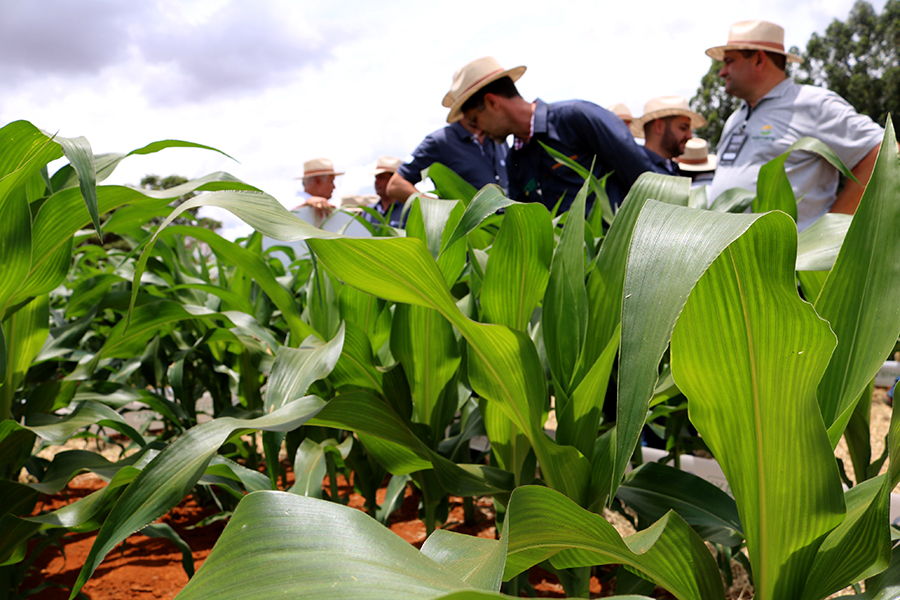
[{"x": 144, "y": 568}]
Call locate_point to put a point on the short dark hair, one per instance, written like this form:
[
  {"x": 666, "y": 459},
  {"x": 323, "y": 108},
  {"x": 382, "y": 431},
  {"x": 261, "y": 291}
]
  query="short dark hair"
[
  {"x": 780, "y": 60},
  {"x": 503, "y": 87},
  {"x": 667, "y": 120}
]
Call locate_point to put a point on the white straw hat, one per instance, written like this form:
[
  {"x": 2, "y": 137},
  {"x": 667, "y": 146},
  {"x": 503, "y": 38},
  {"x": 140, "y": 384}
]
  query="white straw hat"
[
  {"x": 318, "y": 166},
  {"x": 472, "y": 78},
  {"x": 666, "y": 106},
  {"x": 621, "y": 111},
  {"x": 696, "y": 156},
  {"x": 754, "y": 35},
  {"x": 387, "y": 164}
]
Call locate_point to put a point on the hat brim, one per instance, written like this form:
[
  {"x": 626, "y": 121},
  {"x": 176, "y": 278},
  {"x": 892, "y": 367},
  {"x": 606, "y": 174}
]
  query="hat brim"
[
  {"x": 456, "y": 106},
  {"x": 718, "y": 52},
  {"x": 380, "y": 171},
  {"x": 637, "y": 125},
  {"x": 710, "y": 165},
  {"x": 335, "y": 173}
]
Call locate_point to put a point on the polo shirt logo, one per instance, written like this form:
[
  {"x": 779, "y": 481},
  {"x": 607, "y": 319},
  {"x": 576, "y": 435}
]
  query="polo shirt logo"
[{"x": 766, "y": 130}]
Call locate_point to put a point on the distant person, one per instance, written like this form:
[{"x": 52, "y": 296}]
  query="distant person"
[
  {"x": 666, "y": 127},
  {"x": 697, "y": 163},
  {"x": 318, "y": 186},
  {"x": 486, "y": 95},
  {"x": 468, "y": 152},
  {"x": 387, "y": 206},
  {"x": 621, "y": 111},
  {"x": 775, "y": 113}
]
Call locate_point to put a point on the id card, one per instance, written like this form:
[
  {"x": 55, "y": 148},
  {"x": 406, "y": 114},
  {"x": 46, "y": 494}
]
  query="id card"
[{"x": 728, "y": 156}]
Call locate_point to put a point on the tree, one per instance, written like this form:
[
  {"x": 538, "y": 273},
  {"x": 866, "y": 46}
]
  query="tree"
[{"x": 859, "y": 59}]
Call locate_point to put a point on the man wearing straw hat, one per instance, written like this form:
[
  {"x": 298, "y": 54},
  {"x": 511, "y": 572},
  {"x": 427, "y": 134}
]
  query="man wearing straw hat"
[
  {"x": 666, "y": 126},
  {"x": 776, "y": 112},
  {"x": 697, "y": 163},
  {"x": 388, "y": 207},
  {"x": 318, "y": 185},
  {"x": 486, "y": 96}
]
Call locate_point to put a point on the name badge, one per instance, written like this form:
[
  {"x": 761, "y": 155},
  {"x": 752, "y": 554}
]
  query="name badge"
[{"x": 731, "y": 151}]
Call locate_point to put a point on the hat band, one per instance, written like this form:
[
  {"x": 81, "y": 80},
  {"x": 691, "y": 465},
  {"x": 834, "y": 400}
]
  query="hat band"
[
  {"x": 693, "y": 161},
  {"x": 772, "y": 45},
  {"x": 488, "y": 76},
  {"x": 319, "y": 172}
]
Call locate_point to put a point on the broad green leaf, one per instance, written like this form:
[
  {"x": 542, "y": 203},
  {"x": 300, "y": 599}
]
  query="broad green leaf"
[
  {"x": 78, "y": 151},
  {"x": 448, "y": 184},
  {"x": 886, "y": 585},
  {"x": 735, "y": 200},
  {"x": 276, "y": 545},
  {"x": 476, "y": 560},
  {"x": 372, "y": 314},
  {"x": 859, "y": 547},
  {"x": 322, "y": 303},
  {"x": 744, "y": 318},
  {"x": 486, "y": 202},
  {"x": 820, "y": 243},
  {"x": 607, "y": 279},
  {"x": 172, "y": 474},
  {"x": 57, "y": 430},
  {"x": 671, "y": 249},
  {"x": 543, "y": 524},
  {"x": 893, "y": 442},
  {"x": 861, "y": 297},
  {"x": 519, "y": 266},
  {"x": 296, "y": 369},
  {"x": 773, "y": 190},
  {"x": 564, "y": 313},
  {"x": 25, "y": 334},
  {"x": 424, "y": 342},
  {"x": 653, "y": 489},
  {"x": 356, "y": 366}
]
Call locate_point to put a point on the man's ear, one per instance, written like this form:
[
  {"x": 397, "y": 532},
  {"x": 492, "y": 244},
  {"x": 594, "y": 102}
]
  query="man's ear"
[
  {"x": 491, "y": 101},
  {"x": 658, "y": 126}
]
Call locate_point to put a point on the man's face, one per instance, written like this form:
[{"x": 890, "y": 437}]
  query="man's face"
[
  {"x": 676, "y": 135},
  {"x": 381, "y": 183},
  {"x": 322, "y": 185},
  {"x": 489, "y": 119},
  {"x": 737, "y": 73}
]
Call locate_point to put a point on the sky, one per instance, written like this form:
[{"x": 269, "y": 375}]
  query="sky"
[{"x": 273, "y": 83}]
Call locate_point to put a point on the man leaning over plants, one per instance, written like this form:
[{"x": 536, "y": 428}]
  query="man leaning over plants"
[
  {"x": 486, "y": 96},
  {"x": 775, "y": 113}
]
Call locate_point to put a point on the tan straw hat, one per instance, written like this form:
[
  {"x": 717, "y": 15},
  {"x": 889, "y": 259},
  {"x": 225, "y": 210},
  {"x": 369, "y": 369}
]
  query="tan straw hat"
[
  {"x": 621, "y": 111},
  {"x": 472, "y": 78},
  {"x": 696, "y": 156},
  {"x": 665, "y": 106},
  {"x": 318, "y": 166},
  {"x": 387, "y": 164},
  {"x": 754, "y": 35}
]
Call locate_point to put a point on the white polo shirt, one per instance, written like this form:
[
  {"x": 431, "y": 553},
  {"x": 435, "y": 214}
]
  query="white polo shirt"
[{"x": 787, "y": 113}]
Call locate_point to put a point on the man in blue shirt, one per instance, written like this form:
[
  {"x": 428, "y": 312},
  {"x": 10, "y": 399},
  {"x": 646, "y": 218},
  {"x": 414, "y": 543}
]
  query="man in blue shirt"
[
  {"x": 469, "y": 153},
  {"x": 386, "y": 206},
  {"x": 486, "y": 97}
]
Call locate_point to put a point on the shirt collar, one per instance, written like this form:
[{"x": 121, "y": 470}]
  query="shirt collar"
[{"x": 538, "y": 124}]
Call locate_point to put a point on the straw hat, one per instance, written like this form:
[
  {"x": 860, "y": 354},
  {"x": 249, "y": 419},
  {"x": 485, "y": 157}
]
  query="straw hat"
[
  {"x": 316, "y": 167},
  {"x": 472, "y": 78},
  {"x": 621, "y": 111},
  {"x": 665, "y": 106},
  {"x": 754, "y": 35},
  {"x": 696, "y": 156},
  {"x": 387, "y": 164}
]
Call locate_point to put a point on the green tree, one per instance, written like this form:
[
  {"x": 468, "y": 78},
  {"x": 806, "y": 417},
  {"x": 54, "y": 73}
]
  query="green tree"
[{"x": 859, "y": 59}]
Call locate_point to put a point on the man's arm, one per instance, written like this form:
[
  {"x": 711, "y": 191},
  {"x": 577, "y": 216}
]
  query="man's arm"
[
  {"x": 848, "y": 200},
  {"x": 399, "y": 188}
]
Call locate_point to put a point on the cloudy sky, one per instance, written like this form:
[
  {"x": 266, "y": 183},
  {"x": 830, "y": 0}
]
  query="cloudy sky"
[{"x": 273, "y": 83}]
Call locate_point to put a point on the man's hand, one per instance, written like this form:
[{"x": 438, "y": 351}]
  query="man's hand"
[{"x": 320, "y": 206}]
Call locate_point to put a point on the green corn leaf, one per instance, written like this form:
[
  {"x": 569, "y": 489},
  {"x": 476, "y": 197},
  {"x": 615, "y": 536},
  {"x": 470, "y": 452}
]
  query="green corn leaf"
[
  {"x": 861, "y": 297},
  {"x": 564, "y": 313},
  {"x": 744, "y": 318},
  {"x": 57, "y": 430},
  {"x": 735, "y": 200},
  {"x": 671, "y": 249},
  {"x": 25, "y": 334},
  {"x": 519, "y": 267},
  {"x": 356, "y": 367},
  {"x": 476, "y": 560},
  {"x": 859, "y": 547},
  {"x": 819, "y": 244},
  {"x": 595, "y": 185},
  {"x": 275, "y": 544},
  {"x": 652, "y": 490},
  {"x": 448, "y": 184},
  {"x": 486, "y": 202},
  {"x": 172, "y": 474},
  {"x": 545, "y": 525},
  {"x": 296, "y": 369},
  {"x": 78, "y": 151}
]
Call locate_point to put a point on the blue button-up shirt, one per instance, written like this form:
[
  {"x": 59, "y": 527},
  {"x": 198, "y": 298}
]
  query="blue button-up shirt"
[
  {"x": 581, "y": 130},
  {"x": 453, "y": 146}
]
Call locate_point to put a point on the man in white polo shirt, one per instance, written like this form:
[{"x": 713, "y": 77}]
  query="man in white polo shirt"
[
  {"x": 775, "y": 113},
  {"x": 318, "y": 185}
]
